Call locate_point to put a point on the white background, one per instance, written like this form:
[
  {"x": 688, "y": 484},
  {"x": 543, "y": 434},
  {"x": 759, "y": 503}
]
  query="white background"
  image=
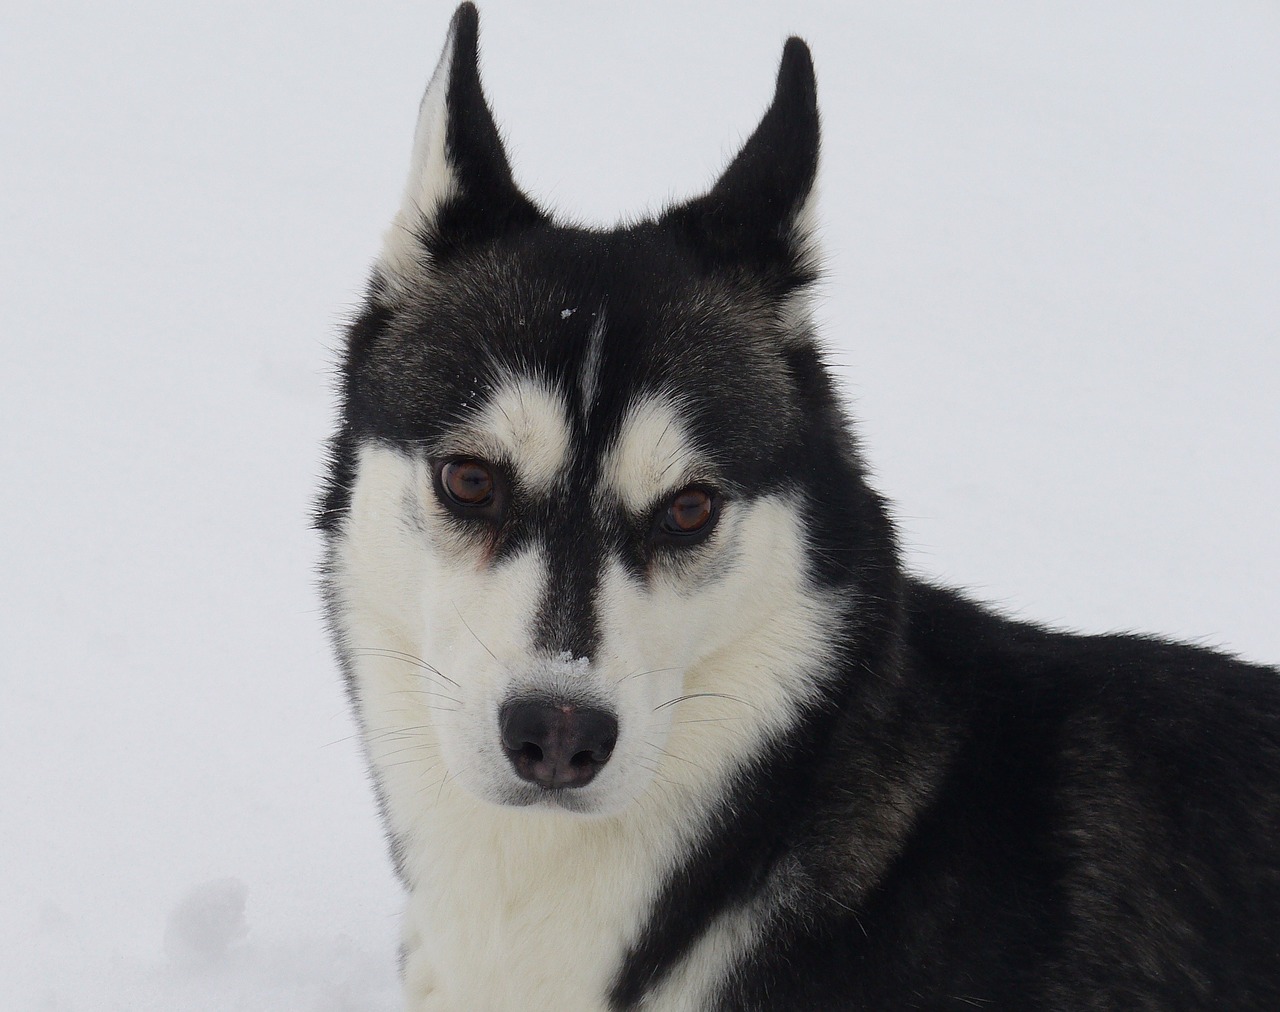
[{"x": 1053, "y": 297}]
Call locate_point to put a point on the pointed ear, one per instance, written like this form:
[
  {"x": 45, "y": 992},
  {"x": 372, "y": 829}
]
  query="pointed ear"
[
  {"x": 757, "y": 216},
  {"x": 460, "y": 191}
]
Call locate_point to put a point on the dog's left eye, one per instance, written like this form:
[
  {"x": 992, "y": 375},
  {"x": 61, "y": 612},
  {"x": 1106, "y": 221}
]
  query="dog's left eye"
[{"x": 690, "y": 514}]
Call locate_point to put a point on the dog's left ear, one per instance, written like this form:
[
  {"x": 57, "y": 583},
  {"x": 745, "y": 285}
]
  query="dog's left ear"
[
  {"x": 757, "y": 216},
  {"x": 460, "y": 192}
]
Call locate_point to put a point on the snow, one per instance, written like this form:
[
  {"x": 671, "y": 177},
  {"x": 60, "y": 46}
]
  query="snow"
[
  {"x": 1053, "y": 237},
  {"x": 206, "y": 922}
]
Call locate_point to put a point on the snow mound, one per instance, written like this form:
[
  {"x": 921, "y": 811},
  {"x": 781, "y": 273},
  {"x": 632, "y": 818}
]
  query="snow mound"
[{"x": 206, "y": 922}]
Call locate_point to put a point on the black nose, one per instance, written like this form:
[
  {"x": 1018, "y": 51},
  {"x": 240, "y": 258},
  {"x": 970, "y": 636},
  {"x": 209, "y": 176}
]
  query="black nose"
[{"x": 555, "y": 744}]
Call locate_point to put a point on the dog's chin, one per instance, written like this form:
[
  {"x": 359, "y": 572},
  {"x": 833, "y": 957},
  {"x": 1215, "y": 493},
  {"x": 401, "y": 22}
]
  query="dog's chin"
[{"x": 580, "y": 802}]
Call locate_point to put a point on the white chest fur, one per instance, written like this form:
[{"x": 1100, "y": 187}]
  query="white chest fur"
[
  {"x": 523, "y": 925},
  {"x": 523, "y": 910}
]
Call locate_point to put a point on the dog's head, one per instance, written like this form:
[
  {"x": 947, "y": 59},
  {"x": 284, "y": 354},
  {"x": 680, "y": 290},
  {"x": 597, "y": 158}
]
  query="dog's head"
[{"x": 592, "y": 503}]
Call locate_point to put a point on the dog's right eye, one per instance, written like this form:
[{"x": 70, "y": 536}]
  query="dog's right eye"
[
  {"x": 470, "y": 484},
  {"x": 689, "y": 512}
]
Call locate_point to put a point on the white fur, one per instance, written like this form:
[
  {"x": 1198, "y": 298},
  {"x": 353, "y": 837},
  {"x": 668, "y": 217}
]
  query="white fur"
[
  {"x": 652, "y": 454},
  {"x": 589, "y": 377},
  {"x": 431, "y": 182},
  {"x": 524, "y": 424},
  {"x": 533, "y": 907},
  {"x": 805, "y": 226},
  {"x": 796, "y": 310}
]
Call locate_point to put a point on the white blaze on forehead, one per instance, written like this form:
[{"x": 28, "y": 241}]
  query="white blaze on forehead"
[
  {"x": 524, "y": 423},
  {"x": 589, "y": 377},
  {"x": 652, "y": 454}
]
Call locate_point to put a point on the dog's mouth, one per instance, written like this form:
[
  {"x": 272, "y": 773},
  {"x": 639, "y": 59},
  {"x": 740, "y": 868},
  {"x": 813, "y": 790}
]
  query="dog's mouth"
[{"x": 559, "y": 799}]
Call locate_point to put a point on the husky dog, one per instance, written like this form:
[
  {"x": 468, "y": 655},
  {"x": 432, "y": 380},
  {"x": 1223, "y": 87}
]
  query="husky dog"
[{"x": 655, "y": 717}]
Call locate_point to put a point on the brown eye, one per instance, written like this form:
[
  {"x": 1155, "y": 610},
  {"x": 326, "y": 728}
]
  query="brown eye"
[
  {"x": 689, "y": 512},
  {"x": 467, "y": 482}
]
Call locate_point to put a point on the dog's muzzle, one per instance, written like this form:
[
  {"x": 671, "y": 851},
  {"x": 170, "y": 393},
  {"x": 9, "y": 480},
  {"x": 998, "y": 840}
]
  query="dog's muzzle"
[{"x": 553, "y": 743}]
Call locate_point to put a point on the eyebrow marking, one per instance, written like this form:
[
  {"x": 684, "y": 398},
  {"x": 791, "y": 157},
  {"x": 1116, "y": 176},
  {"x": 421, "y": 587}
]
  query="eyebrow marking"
[
  {"x": 652, "y": 455},
  {"x": 525, "y": 423}
]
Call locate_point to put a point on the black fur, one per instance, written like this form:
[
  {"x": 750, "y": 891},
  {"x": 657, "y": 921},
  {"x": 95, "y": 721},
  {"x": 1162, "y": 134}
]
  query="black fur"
[
  {"x": 1100, "y": 831},
  {"x": 981, "y": 813}
]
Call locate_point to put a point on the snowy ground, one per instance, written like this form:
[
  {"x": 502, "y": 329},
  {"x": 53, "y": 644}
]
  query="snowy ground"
[{"x": 1054, "y": 236}]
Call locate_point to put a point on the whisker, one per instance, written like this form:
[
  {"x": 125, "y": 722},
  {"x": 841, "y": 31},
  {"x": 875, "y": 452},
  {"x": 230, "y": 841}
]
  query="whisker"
[
  {"x": 397, "y": 731},
  {"x": 708, "y": 720},
  {"x": 420, "y": 743},
  {"x": 734, "y": 733},
  {"x": 659, "y": 778},
  {"x": 702, "y": 695},
  {"x": 440, "y": 709},
  {"x": 425, "y": 692},
  {"x": 640, "y": 674},
  {"x": 407, "y": 657},
  {"x": 394, "y": 739},
  {"x": 339, "y": 741},
  {"x": 473, "y": 633},
  {"x": 405, "y": 762},
  {"x": 426, "y": 773},
  {"x": 447, "y": 778},
  {"x": 670, "y": 755},
  {"x": 433, "y": 785}
]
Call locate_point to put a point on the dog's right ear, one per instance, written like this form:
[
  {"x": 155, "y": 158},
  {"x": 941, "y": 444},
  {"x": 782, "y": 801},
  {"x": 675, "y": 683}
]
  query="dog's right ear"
[{"x": 460, "y": 192}]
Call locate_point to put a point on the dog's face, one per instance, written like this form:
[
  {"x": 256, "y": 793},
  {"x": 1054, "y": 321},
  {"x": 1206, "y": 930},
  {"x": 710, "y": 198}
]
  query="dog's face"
[{"x": 570, "y": 522}]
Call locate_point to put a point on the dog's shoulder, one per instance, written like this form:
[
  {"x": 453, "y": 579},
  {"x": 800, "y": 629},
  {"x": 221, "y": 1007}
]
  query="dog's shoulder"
[
  {"x": 1155, "y": 687},
  {"x": 1180, "y": 724},
  {"x": 1108, "y": 804}
]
